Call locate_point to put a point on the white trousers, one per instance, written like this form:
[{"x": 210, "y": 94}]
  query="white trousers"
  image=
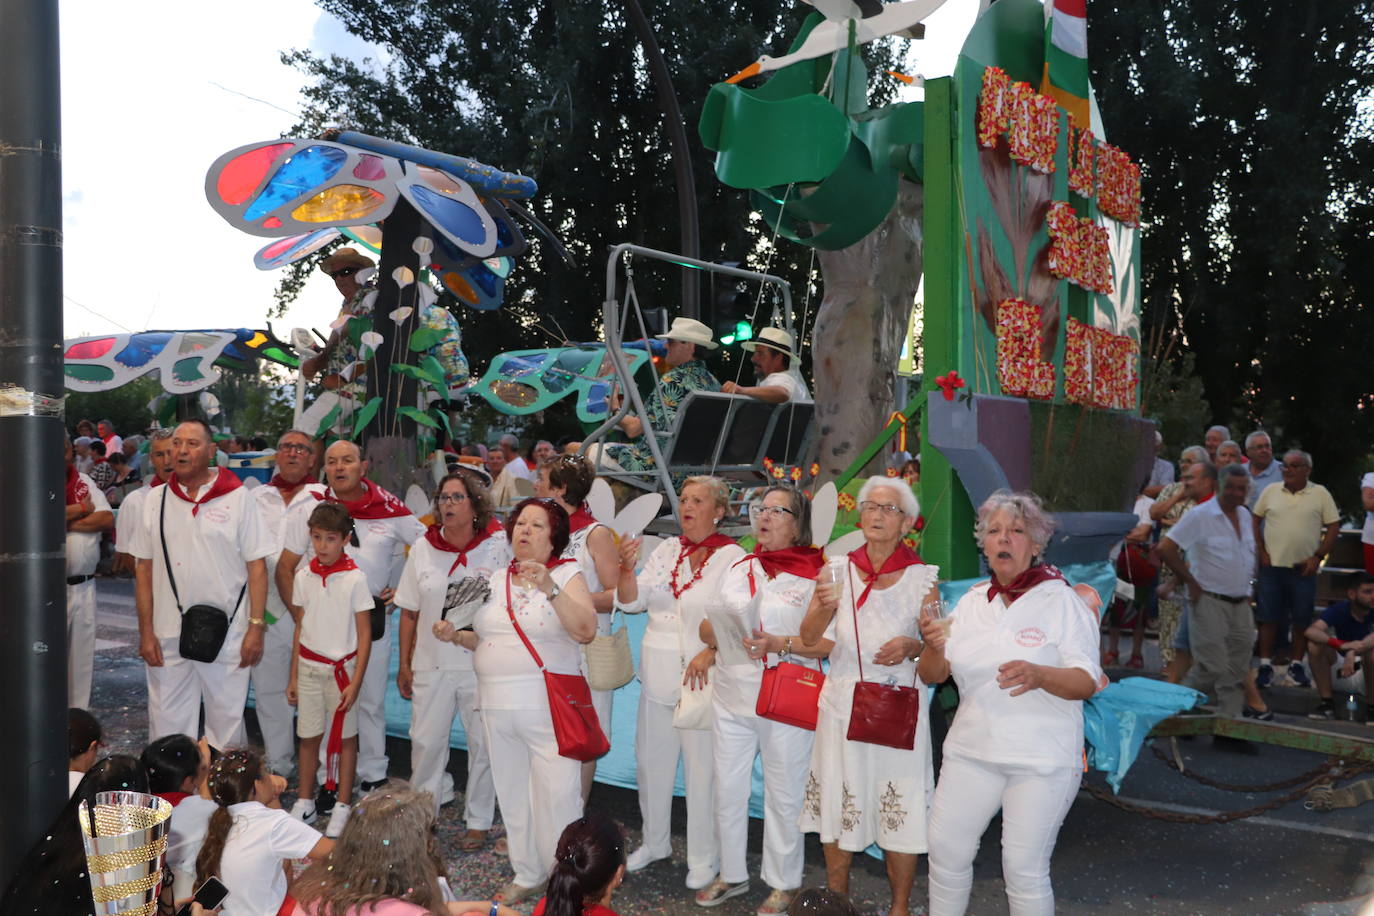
[
  {"x": 657, "y": 748},
  {"x": 372, "y": 760},
  {"x": 80, "y": 643},
  {"x": 785, "y": 750},
  {"x": 1034, "y": 803},
  {"x": 539, "y": 791},
  {"x": 438, "y": 696},
  {"x": 270, "y": 677},
  {"x": 178, "y": 688}
]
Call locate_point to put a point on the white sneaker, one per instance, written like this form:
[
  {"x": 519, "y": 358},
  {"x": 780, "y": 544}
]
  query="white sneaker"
[
  {"x": 337, "y": 820},
  {"x": 642, "y": 858},
  {"x": 304, "y": 810}
]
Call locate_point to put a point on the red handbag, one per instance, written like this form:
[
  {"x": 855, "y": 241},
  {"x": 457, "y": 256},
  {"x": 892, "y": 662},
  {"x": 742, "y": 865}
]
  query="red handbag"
[
  {"x": 575, "y": 724},
  {"x": 790, "y": 694},
  {"x": 883, "y": 714}
]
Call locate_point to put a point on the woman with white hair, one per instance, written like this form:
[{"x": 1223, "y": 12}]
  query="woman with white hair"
[
  {"x": 677, "y": 581},
  {"x": 859, "y": 793},
  {"x": 1022, "y": 648}
]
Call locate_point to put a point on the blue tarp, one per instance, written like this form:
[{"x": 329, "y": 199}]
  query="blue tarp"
[{"x": 1117, "y": 720}]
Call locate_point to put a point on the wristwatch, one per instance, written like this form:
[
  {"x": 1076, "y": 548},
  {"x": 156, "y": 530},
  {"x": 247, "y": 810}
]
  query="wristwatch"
[
  {"x": 257, "y": 622},
  {"x": 556, "y": 591}
]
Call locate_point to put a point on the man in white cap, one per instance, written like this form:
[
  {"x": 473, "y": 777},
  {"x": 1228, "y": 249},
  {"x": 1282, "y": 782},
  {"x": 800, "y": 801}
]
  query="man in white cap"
[
  {"x": 688, "y": 339},
  {"x": 776, "y": 365}
]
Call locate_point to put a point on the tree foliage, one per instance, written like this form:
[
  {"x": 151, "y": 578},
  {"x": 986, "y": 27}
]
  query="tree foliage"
[
  {"x": 1252, "y": 125},
  {"x": 560, "y": 91}
]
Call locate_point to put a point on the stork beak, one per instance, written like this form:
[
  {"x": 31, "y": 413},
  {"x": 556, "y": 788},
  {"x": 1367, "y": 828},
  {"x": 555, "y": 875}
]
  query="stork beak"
[
  {"x": 901, "y": 76},
  {"x": 751, "y": 70}
]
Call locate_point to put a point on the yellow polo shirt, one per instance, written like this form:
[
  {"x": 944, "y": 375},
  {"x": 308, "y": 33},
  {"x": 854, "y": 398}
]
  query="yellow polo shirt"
[{"x": 1293, "y": 522}]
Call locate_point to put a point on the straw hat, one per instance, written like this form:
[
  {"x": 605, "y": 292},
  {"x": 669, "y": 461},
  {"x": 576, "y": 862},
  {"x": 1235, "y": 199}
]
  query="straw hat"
[
  {"x": 346, "y": 257},
  {"x": 690, "y": 330},
  {"x": 773, "y": 339}
]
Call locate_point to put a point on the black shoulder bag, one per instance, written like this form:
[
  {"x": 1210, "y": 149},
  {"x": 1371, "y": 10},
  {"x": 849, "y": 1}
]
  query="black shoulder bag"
[{"x": 203, "y": 626}]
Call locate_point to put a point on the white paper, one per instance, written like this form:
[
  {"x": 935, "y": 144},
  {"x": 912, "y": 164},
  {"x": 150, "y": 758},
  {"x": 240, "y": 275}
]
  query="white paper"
[{"x": 731, "y": 630}]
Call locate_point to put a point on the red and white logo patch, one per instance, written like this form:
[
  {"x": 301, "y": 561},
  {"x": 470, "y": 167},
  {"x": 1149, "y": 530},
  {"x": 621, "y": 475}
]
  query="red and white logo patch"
[{"x": 1031, "y": 637}]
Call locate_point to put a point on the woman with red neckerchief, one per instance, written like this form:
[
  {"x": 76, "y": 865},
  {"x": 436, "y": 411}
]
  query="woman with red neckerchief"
[
  {"x": 859, "y": 793},
  {"x": 447, "y": 576},
  {"x": 782, "y": 574},
  {"x": 1023, "y": 649},
  {"x": 539, "y": 605},
  {"x": 680, "y": 577},
  {"x": 567, "y": 479}
]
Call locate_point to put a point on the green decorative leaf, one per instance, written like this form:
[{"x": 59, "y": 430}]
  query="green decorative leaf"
[
  {"x": 355, "y": 328},
  {"x": 419, "y": 416},
  {"x": 168, "y": 411},
  {"x": 408, "y": 371},
  {"x": 434, "y": 374},
  {"x": 327, "y": 422},
  {"x": 364, "y": 416},
  {"x": 448, "y": 426},
  {"x": 422, "y": 339}
]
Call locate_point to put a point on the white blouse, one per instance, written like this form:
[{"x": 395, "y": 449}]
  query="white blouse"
[
  {"x": 577, "y": 549},
  {"x": 886, "y": 613},
  {"x": 428, "y": 586},
  {"x": 784, "y": 603},
  {"x": 507, "y": 677},
  {"x": 1048, "y": 625},
  {"x": 674, "y": 623}
]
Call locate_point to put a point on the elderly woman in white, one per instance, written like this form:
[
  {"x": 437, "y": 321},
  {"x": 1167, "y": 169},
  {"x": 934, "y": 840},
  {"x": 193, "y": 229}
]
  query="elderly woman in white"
[
  {"x": 1023, "y": 649},
  {"x": 858, "y": 793},
  {"x": 782, "y": 574},
  {"x": 680, "y": 577}
]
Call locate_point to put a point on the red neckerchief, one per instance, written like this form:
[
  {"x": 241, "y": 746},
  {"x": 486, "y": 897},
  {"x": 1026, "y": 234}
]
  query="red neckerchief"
[
  {"x": 580, "y": 519},
  {"x": 552, "y": 564},
  {"x": 712, "y": 542},
  {"x": 156, "y": 482},
  {"x": 805, "y": 562},
  {"x": 901, "y": 558},
  {"x": 1023, "y": 583},
  {"x": 280, "y": 483},
  {"x": 343, "y": 563},
  {"x": 1205, "y": 498},
  {"x": 173, "y": 798},
  {"x": 434, "y": 534},
  {"x": 226, "y": 481},
  {"x": 376, "y": 503},
  {"x": 76, "y": 489}
]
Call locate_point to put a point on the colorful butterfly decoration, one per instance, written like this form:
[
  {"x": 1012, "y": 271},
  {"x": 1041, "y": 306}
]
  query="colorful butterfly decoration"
[
  {"x": 310, "y": 192},
  {"x": 186, "y": 361},
  {"x": 526, "y": 381}
]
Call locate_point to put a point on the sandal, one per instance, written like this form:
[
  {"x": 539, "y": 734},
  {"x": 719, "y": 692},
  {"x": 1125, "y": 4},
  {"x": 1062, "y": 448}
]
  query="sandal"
[
  {"x": 718, "y": 891},
  {"x": 514, "y": 893},
  {"x": 777, "y": 902},
  {"x": 501, "y": 847},
  {"x": 472, "y": 841},
  {"x": 1136, "y": 661},
  {"x": 1111, "y": 658}
]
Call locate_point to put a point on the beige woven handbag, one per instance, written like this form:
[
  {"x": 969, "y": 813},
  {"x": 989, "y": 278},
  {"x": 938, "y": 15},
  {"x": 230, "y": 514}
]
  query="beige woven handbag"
[{"x": 609, "y": 664}]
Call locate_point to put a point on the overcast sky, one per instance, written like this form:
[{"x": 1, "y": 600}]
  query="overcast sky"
[{"x": 151, "y": 95}]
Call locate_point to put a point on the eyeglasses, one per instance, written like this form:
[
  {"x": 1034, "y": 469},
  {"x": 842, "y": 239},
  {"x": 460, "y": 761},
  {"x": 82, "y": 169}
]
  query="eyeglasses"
[
  {"x": 294, "y": 447},
  {"x": 344, "y": 272},
  {"x": 451, "y": 498},
  {"x": 869, "y": 505},
  {"x": 774, "y": 511},
  {"x": 1296, "y": 466}
]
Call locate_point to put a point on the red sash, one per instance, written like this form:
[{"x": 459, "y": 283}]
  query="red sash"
[
  {"x": 901, "y": 558},
  {"x": 334, "y": 746}
]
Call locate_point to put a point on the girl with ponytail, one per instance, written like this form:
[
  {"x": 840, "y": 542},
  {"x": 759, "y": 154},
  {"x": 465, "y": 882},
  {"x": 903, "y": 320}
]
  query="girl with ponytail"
[
  {"x": 590, "y": 865},
  {"x": 248, "y": 844}
]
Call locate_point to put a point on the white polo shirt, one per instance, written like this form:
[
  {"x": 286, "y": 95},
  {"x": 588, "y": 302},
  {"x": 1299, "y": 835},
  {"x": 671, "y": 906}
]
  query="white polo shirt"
[
  {"x": 381, "y": 541},
  {"x": 1222, "y": 560},
  {"x": 83, "y": 547},
  {"x": 129, "y": 516},
  {"x": 276, "y": 516},
  {"x": 507, "y": 677},
  {"x": 1048, "y": 625},
  {"x": 789, "y": 379},
  {"x": 329, "y": 604},
  {"x": 190, "y": 818},
  {"x": 432, "y": 582},
  {"x": 250, "y": 867},
  {"x": 785, "y": 600},
  {"x": 210, "y": 550},
  {"x": 518, "y": 468}
]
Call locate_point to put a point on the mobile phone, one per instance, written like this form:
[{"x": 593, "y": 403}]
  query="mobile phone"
[{"x": 209, "y": 895}]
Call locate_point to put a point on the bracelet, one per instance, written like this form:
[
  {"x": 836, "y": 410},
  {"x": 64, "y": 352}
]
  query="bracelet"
[
  {"x": 257, "y": 622},
  {"x": 787, "y": 646},
  {"x": 556, "y": 592},
  {"x": 1335, "y": 643},
  {"x": 494, "y": 908}
]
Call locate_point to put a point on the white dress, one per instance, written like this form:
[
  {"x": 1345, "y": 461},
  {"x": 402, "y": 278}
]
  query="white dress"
[{"x": 857, "y": 793}]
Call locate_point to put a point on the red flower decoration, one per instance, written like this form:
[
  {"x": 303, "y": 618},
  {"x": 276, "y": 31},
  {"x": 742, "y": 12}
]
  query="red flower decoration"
[
  {"x": 796, "y": 474},
  {"x": 948, "y": 383},
  {"x": 815, "y": 468}
]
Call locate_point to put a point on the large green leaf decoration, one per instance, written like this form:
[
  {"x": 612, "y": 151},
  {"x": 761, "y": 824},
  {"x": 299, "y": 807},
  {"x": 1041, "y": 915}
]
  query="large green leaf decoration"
[
  {"x": 327, "y": 422},
  {"x": 356, "y": 327},
  {"x": 407, "y": 370},
  {"x": 434, "y": 374},
  {"x": 364, "y": 416},
  {"x": 419, "y": 416},
  {"x": 422, "y": 339}
]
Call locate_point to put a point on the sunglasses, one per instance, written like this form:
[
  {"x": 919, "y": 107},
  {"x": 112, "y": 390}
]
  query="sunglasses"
[{"x": 344, "y": 272}]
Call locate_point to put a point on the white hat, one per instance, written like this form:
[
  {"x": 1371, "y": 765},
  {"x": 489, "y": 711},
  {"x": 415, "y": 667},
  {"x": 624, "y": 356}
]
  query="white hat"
[
  {"x": 690, "y": 330},
  {"x": 773, "y": 339}
]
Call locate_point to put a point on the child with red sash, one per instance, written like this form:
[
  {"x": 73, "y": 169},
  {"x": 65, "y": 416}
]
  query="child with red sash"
[{"x": 329, "y": 656}]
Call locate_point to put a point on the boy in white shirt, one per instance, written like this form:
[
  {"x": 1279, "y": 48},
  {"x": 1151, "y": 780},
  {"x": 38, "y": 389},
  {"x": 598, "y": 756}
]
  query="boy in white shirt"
[{"x": 328, "y": 660}]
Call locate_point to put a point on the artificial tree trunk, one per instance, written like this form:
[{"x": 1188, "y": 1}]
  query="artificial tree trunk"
[{"x": 870, "y": 288}]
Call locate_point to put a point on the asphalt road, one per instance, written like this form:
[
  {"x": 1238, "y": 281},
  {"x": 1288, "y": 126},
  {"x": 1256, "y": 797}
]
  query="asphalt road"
[{"x": 1288, "y": 860}]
